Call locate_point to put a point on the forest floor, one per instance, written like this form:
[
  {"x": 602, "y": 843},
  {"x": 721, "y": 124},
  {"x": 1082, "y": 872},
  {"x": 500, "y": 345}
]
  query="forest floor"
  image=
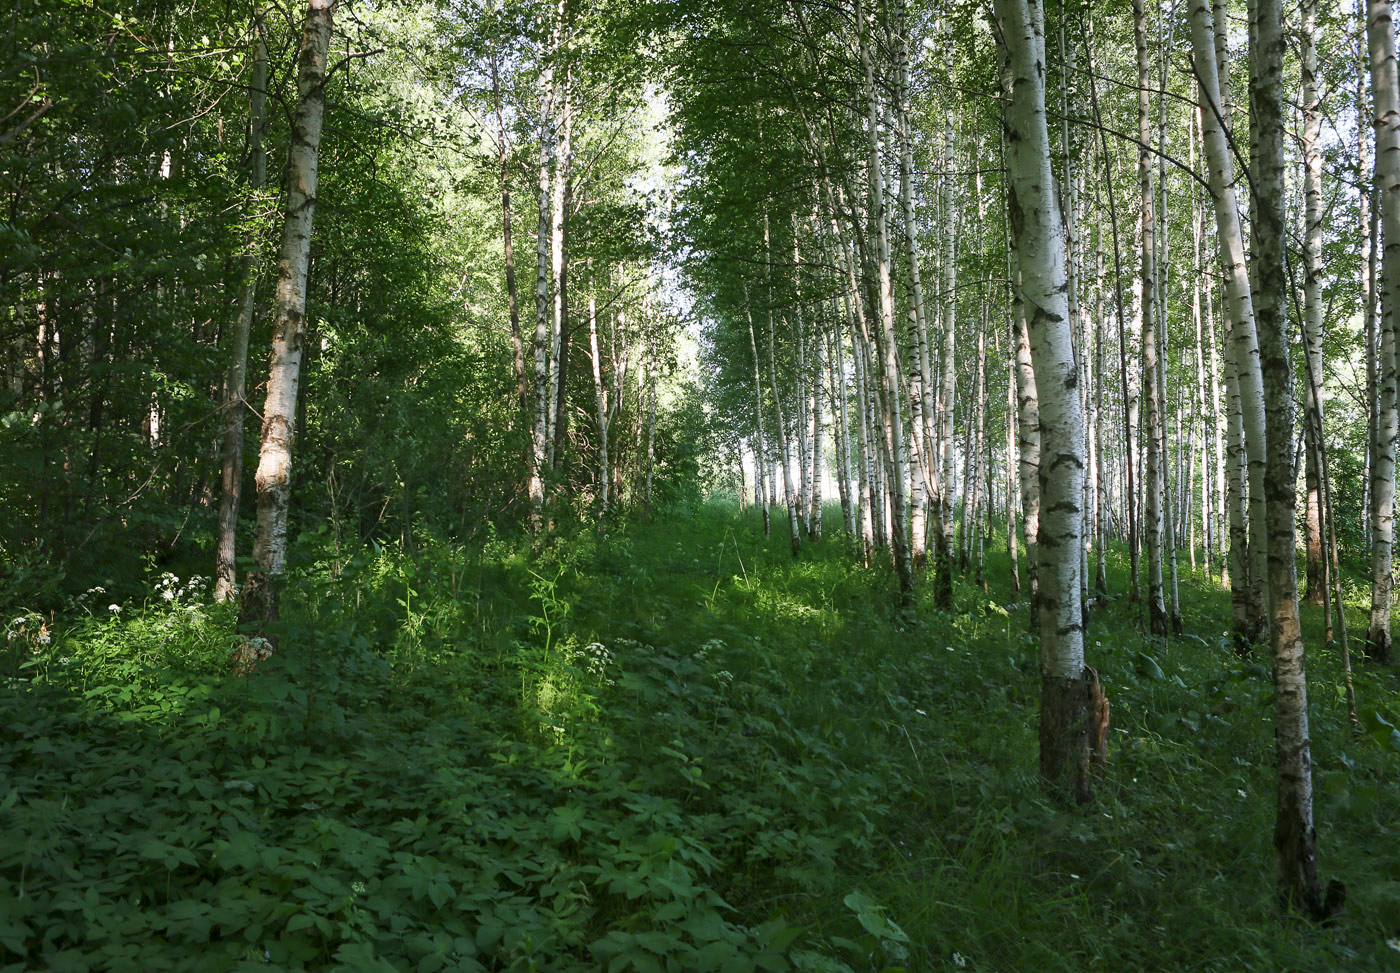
[{"x": 673, "y": 747}]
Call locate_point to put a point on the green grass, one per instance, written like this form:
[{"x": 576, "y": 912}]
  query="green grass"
[{"x": 673, "y": 747}]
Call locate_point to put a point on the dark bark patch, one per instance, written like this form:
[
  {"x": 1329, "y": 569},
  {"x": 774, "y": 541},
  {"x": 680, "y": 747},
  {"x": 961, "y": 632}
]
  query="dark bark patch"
[{"x": 1064, "y": 735}]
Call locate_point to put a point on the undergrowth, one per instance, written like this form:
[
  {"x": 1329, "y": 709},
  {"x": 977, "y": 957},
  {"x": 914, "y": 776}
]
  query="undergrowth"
[{"x": 672, "y": 747}]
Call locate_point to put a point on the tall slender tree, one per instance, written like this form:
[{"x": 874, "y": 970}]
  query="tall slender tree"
[
  {"x": 1295, "y": 839},
  {"x": 1066, "y": 683},
  {"x": 274, "y": 474},
  {"x": 236, "y": 384},
  {"x": 1385, "y": 92}
]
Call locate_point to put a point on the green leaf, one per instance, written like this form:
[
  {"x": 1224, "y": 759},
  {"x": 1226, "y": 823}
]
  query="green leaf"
[
  {"x": 1147, "y": 667},
  {"x": 871, "y": 916},
  {"x": 239, "y": 851},
  {"x": 1381, "y": 729}
]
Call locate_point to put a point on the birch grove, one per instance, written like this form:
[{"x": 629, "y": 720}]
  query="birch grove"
[{"x": 1066, "y": 334}]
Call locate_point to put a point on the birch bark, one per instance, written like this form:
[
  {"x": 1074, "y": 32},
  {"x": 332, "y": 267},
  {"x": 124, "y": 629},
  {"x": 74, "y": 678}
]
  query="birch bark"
[
  {"x": 947, "y": 387},
  {"x": 1381, "y": 43},
  {"x": 893, "y": 421},
  {"x": 1040, "y": 241},
  {"x": 600, "y": 395},
  {"x": 1027, "y": 443},
  {"x": 1243, "y": 340},
  {"x": 1012, "y": 547},
  {"x": 1312, "y": 295},
  {"x": 1147, "y": 227},
  {"x": 274, "y": 474},
  {"x": 561, "y": 199},
  {"x": 838, "y": 385},
  {"x": 814, "y": 518},
  {"x": 539, "y": 431},
  {"x": 760, "y": 458},
  {"x": 784, "y": 444},
  {"x": 1295, "y": 839}
]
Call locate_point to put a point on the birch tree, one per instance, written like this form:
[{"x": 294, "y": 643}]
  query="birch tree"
[
  {"x": 539, "y": 429},
  {"x": 274, "y": 474},
  {"x": 1295, "y": 839},
  {"x": 1066, "y": 683},
  {"x": 886, "y": 342},
  {"x": 1154, "y": 485},
  {"x": 1312, "y": 293},
  {"x": 1384, "y": 81},
  {"x": 1243, "y": 344},
  {"x": 235, "y": 386}
]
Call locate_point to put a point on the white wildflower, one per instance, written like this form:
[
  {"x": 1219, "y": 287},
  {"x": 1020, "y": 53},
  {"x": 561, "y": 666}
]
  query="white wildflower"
[
  {"x": 959, "y": 959},
  {"x": 168, "y": 595},
  {"x": 114, "y": 609}
]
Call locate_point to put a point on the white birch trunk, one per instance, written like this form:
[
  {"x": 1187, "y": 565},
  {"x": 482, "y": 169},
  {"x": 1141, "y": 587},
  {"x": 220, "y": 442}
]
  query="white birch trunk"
[
  {"x": 539, "y": 430},
  {"x": 760, "y": 458},
  {"x": 1027, "y": 440},
  {"x": 1040, "y": 241},
  {"x": 840, "y": 410},
  {"x": 1295, "y": 839},
  {"x": 1366, "y": 224},
  {"x": 1312, "y": 294},
  {"x": 784, "y": 444},
  {"x": 814, "y": 519},
  {"x": 600, "y": 395},
  {"x": 1153, "y": 481},
  {"x": 1381, "y": 42},
  {"x": 947, "y": 387},
  {"x": 1096, "y": 443},
  {"x": 274, "y": 473},
  {"x": 801, "y": 397},
  {"x": 560, "y": 197},
  {"x": 893, "y": 421},
  {"x": 651, "y": 414},
  {"x": 1012, "y": 547},
  {"x": 926, "y": 487},
  {"x": 1243, "y": 343}
]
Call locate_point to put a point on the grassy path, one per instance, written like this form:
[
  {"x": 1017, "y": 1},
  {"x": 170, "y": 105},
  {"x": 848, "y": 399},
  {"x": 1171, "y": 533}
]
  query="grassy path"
[{"x": 675, "y": 748}]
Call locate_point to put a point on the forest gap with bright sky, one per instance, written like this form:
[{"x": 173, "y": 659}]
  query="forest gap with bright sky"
[{"x": 644, "y": 396}]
